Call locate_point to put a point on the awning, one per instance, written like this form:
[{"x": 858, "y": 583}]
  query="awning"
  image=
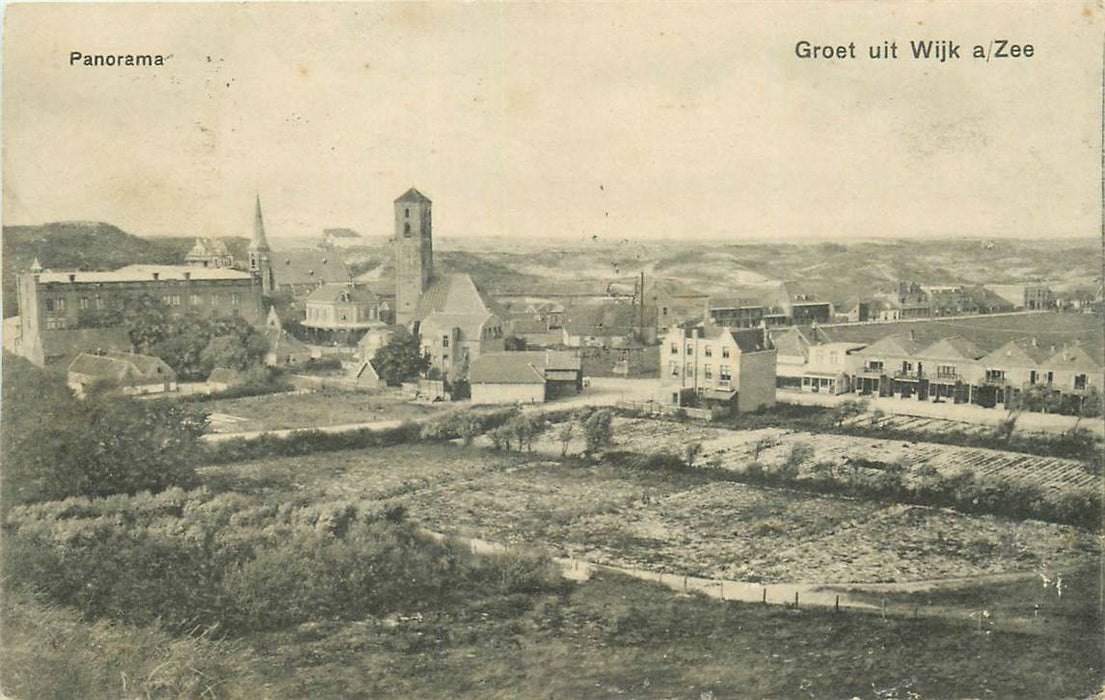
[{"x": 719, "y": 394}]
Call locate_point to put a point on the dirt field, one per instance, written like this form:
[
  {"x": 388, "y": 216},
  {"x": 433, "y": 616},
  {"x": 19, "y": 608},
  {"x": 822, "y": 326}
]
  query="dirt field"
[
  {"x": 727, "y": 530},
  {"x": 314, "y": 409}
]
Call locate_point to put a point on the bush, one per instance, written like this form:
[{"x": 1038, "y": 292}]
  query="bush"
[{"x": 230, "y": 564}]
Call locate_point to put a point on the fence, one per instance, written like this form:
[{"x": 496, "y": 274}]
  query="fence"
[{"x": 653, "y": 408}]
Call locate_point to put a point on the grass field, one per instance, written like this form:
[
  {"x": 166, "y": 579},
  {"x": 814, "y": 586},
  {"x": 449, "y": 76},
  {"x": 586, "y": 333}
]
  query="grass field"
[
  {"x": 611, "y": 637},
  {"x": 318, "y": 408}
]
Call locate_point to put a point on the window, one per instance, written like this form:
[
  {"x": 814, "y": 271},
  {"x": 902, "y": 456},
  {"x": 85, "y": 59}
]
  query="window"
[
  {"x": 83, "y": 302},
  {"x": 407, "y": 213},
  {"x": 675, "y": 348},
  {"x": 1032, "y": 377},
  {"x": 674, "y": 369},
  {"x": 725, "y": 352},
  {"x": 724, "y": 373},
  {"x": 995, "y": 375},
  {"x": 690, "y": 349},
  {"x": 907, "y": 366},
  {"x": 946, "y": 371},
  {"x": 99, "y": 302},
  {"x": 709, "y": 352},
  {"x": 874, "y": 365},
  {"x": 444, "y": 341},
  {"x": 214, "y": 300},
  {"x": 235, "y": 300},
  {"x": 1080, "y": 381},
  {"x": 407, "y": 230},
  {"x": 1050, "y": 377},
  {"x": 709, "y": 371},
  {"x": 195, "y": 300},
  {"x": 688, "y": 370},
  {"x": 664, "y": 312},
  {"x": 50, "y": 306},
  {"x": 445, "y": 360}
]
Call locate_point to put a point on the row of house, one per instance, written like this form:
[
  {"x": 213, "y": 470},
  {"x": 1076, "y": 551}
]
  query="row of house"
[{"x": 951, "y": 368}]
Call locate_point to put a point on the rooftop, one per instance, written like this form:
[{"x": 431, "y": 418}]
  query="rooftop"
[{"x": 143, "y": 273}]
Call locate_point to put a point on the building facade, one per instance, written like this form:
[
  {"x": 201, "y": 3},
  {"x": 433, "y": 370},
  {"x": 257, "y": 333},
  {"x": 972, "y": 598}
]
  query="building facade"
[
  {"x": 56, "y": 306},
  {"x": 717, "y": 365}
]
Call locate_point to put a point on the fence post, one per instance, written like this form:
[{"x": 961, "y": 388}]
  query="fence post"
[
  {"x": 884, "y": 608},
  {"x": 796, "y": 599},
  {"x": 684, "y": 583},
  {"x": 765, "y": 596},
  {"x": 721, "y": 587},
  {"x": 836, "y": 606}
]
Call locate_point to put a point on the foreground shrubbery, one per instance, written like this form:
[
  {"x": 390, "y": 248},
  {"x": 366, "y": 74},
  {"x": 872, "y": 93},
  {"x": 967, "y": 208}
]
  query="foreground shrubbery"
[
  {"x": 231, "y": 566},
  {"x": 54, "y": 446}
]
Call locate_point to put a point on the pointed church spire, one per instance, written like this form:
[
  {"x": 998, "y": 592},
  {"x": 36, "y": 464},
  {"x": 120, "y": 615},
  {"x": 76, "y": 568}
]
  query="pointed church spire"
[
  {"x": 259, "y": 242},
  {"x": 36, "y": 266}
]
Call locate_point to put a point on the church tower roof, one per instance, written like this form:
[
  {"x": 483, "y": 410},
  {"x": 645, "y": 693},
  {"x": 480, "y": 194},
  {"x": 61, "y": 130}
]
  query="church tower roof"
[
  {"x": 413, "y": 195},
  {"x": 258, "y": 242}
]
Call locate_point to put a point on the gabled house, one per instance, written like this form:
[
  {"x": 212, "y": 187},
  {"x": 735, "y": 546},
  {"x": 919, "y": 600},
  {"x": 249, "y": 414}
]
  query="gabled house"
[
  {"x": 948, "y": 368},
  {"x": 600, "y": 325},
  {"x": 889, "y": 366},
  {"x": 1072, "y": 370},
  {"x": 715, "y": 365},
  {"x": 524, "y": 377},
  {"x": 126, "y": 372}
]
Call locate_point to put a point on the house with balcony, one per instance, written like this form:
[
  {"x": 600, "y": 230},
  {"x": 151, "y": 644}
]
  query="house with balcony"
[
  {"x": 888, "y": 366},
  {"x": 707, "y": 365},
  {"x": 947, "y": 369},
  {"x": 1008, "y": 369}
]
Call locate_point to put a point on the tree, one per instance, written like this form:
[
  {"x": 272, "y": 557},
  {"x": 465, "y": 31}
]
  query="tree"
[
  {"x": 877, "y": 416},
  {"x": 401, "y": 359},
  {"x": 800, "y": 453},
  {"x": 764, "y": 443},
  {"x": 691, "y": 453},
  {"x": 598, "y": 431},
  {"x": 565, "y": 435},
  {"x": 850, "y": 408},
  {"x": 55, "y": 447}
]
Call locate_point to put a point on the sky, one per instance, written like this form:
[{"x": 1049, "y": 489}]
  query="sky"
[{"x": 556, "y": 120}]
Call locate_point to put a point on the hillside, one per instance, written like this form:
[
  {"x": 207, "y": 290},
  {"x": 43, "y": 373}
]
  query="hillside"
[{"x": 85, "y": 245}]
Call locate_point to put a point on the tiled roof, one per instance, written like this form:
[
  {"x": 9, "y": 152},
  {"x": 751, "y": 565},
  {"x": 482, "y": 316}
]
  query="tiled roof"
[
  {"x": 952, "y": 348},
  {"x": 145, "y": 273},
  {"x": 333, "y": 293},
  {"x": 99, "y": 366},
  {"x": 413, "y": 195},
  {"x": 119, "y": 366},
  {"x": 453, "y": 294},
  {"x": 897, "y": 344},
  {"x": 1073, "y": 358},
  {"x": 602, "y": 320},
  {"x": 144, "y": 364},
  {"x": 1017, "y": 353},
  {"x": 309, "y": 267},
  {"x": 520, "y": 367}
]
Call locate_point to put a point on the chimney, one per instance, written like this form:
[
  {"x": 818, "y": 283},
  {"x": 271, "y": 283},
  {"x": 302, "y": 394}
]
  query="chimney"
[
  {"x": 187, "y": 275},
  {"x": 72, "y": 277},
  {"x": 156, "y": 275}
]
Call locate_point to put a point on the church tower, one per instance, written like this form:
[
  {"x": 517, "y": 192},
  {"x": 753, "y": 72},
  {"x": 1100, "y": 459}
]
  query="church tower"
[
  {"x": 260, "y": 255},
  {"x": 413, "y": 247}
]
